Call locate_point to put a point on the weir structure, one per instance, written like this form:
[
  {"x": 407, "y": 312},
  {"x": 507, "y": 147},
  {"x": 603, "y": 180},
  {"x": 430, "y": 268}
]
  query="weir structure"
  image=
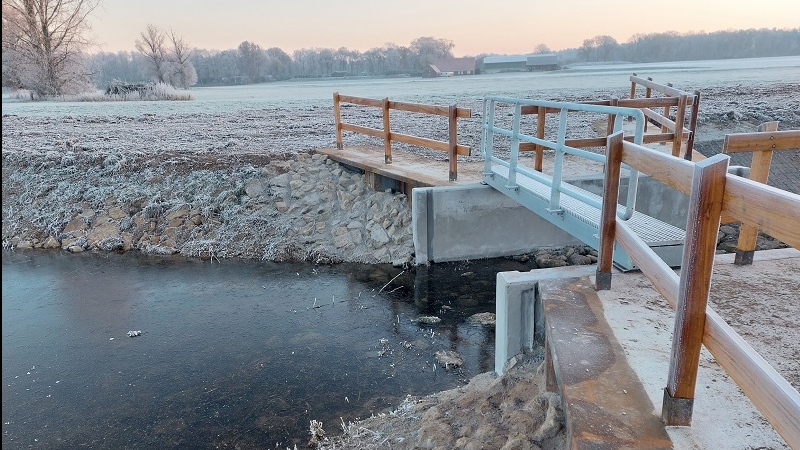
[{"x": 559, "y": 308}]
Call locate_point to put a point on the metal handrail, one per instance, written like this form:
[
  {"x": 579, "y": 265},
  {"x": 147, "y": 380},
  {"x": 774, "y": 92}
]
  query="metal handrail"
[{"x": 488, "y": 129}]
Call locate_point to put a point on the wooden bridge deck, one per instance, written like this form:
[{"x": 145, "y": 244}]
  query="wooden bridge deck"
[{"x": 405, "y": 173}]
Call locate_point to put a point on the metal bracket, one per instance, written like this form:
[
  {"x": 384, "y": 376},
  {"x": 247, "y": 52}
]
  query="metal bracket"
[
  {"x": 676, "y": 411},
  {"x": 558, "y": 212}
]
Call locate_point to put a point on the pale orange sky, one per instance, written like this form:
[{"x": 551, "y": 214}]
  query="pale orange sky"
[{"x": 475, "y": 26}]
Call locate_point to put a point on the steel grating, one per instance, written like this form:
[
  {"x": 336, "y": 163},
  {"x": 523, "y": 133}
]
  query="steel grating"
[{"x": 653, "y": 231}]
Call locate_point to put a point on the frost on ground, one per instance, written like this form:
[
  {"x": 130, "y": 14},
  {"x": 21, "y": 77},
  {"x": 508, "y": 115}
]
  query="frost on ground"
[
  {"x": 509, "y": 412},
  {"x": 245, "y": 184}
]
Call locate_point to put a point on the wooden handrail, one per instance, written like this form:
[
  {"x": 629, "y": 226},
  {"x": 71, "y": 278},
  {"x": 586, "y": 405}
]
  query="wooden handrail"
[
  {"x": 762, "y": 145},
  {"x": 713, "y": 191},
  {"x": 672, "y": 98},
  {"x": 452, "y": 112}
]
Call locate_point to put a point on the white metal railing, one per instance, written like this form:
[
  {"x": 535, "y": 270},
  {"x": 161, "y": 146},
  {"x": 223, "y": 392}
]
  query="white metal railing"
[{"x": 489, "y": 128}]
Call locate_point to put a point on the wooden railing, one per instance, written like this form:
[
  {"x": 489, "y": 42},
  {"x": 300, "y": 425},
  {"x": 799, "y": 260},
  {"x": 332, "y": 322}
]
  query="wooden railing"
[
  {"x": 761, "y": 144},
  {"x": 452, "y": 112},
  {"x": 672, "y": 98},
  {"x": 712, "y": 193}
]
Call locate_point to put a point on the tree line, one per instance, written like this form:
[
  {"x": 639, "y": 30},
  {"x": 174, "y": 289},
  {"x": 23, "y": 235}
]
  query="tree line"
[
  {"x": 250, "y": 63},
  {"x": 673, "y": 46},
  {"x": 45, "y": 50}
]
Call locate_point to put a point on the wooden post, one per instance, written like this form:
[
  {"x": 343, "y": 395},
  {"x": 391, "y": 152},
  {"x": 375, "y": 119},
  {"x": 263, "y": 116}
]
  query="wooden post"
[
  {"x": 541, "y": 117},
  {"x": 387, "y": 133},
  {"x": 692, "y": 126},
  {"x": 648, "y": 92},
  {"x": 452, "y": 116},
  {"x": 633, "y": 95},
  {"x": 610, "y": 125},
  {"x": 666, "y": 114},
  {"x": 608, "y": 213},
  {"x": 759, "y": 171},
  {"x": 705, "y": 208},
  {"x": 337, "y": 113},
  {"x": 680, "y": 115}
]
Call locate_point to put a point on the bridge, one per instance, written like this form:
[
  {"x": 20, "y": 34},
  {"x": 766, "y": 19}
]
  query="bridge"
[
  {"x": 505, "y": 139},
  {"x": 561, "y": 308}
]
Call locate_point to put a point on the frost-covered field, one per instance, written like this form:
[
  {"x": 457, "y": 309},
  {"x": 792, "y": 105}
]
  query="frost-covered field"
[
  {"x": 63, "y": 160},
  {"x": 289, "y": 117}
]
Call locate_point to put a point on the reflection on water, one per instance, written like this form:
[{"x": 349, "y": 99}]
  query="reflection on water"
[{"x": 232, "y": 354}]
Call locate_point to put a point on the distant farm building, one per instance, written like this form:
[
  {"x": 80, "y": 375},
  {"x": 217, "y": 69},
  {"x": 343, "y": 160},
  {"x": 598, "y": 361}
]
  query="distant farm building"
[
  {"x": 450, "y": 67},
  {"x": 516, "y": 63}
]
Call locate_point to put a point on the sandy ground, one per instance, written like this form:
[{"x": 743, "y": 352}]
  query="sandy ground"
[{"x": 759, "y": 301}]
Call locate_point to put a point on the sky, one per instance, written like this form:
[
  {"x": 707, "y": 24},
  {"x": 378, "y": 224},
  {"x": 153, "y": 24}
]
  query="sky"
[{"x": 474, "y": 26}]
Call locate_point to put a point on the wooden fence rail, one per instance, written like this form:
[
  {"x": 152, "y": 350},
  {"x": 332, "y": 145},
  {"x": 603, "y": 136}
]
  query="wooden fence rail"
[
  {"x": 761, "y": 144},
  {"x": 713, "y": 192},
  {"x": 673, "y": 98},
  {"x": 452, "y": 112}
]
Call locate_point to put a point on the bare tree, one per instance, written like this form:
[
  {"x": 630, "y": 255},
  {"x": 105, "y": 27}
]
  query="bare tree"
[
  {"x": 44, "y": 43},
  {"x": 181, "y": 70},
  {"x": 167, "y": 65},
  {"x": 151, "y": 45}
]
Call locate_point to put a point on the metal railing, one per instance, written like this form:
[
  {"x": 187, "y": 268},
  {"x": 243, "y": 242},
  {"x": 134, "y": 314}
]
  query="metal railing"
[
  {"x": 560, "y": 146},
  {"x": 657, "y": 97},
  {"x": 712, "y": 193}
]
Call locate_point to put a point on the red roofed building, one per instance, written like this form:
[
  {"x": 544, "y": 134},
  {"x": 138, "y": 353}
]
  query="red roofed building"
[{"x": 450, "y": 67}]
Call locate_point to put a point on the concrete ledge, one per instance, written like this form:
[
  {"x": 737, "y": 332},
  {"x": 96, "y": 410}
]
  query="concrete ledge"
[
  {"x": 520, "y": 322},
  {"x": 605, "y": 403}
]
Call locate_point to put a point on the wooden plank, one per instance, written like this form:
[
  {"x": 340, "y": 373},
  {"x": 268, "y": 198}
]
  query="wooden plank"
[
  {"x": 601, "y": 141},
  {"x": 462, "y": 113},
  {"x": 429, "y": 143},
  {"x": 540, "y": 128},
  {"x": 675, "y": 173},
  {"x": 652, "y": 102},
  {"x": 374, "y": 132},
  {"x": 370, "y": 159},
  {"x": 452, "y": 150},
  {"x": 610, "y": 119},
  {"x": 777, "y": 400},
  {"x": 680, "y": 116},
  {"x": 771, "y": 210},
  {"x": 666, "y": 124},
  {"x": 652, "y": 266},
  {"x": 387, "y": 133},
  {"x": 649, "y": 83},
  {"x": 648, "y": 93},
  {"x": 705, "y": 207},
  {"x": 338, "y": 116},
  {"x": 361, "y": 101},
  {"x": 608, "y": 212},
  {"x": 692, "y": 125},
  {"x": 759, "y": 171},
  {"x": 756, "y": 142}
]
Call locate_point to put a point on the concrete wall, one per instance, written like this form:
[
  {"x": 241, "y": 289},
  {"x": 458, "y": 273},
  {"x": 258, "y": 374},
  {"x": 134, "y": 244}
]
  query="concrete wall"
[
  {"x": 475, "y": 221},
  {"x": 520, "y": 316}
]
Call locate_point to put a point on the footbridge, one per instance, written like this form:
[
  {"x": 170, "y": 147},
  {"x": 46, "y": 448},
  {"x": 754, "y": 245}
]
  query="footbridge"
[
  {"x": 574, "y": 210},
  {"x": 515, "y": 133}
]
